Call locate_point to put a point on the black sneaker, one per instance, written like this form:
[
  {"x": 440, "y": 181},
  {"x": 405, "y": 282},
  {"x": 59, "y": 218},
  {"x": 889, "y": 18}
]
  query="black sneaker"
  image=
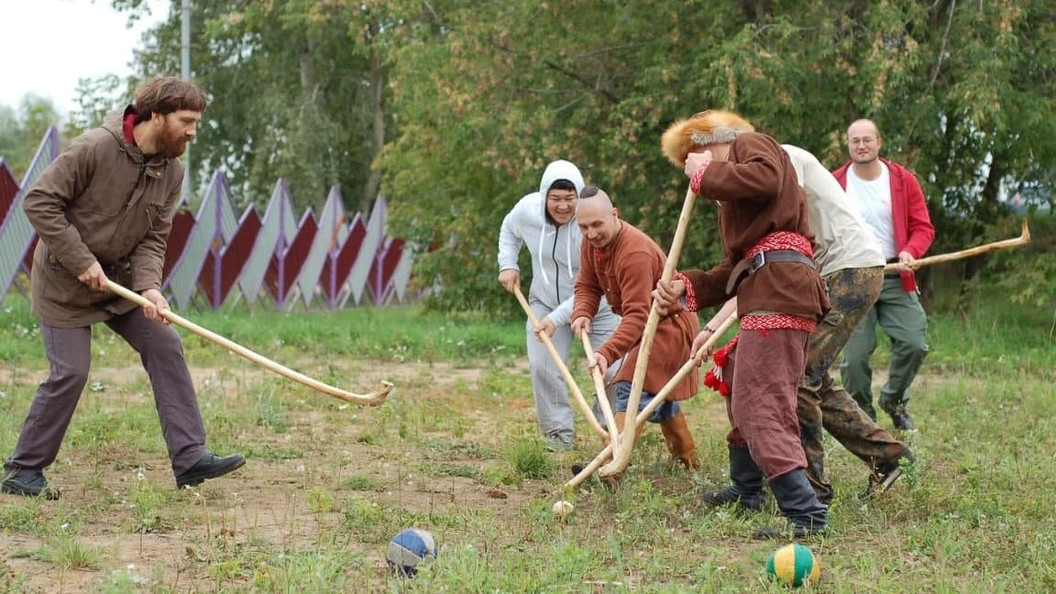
[
  {"x": 28, "y": 483},
  {"x": 902, "y": 421},
  {"x": 210, "y": 466}
]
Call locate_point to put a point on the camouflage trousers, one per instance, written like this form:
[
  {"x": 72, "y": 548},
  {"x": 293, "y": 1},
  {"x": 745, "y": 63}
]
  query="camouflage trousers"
[{"x": 822, "y": 404}]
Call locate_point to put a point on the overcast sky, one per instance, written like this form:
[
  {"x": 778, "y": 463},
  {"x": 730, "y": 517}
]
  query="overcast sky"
[{"x": 47, "y": 45}]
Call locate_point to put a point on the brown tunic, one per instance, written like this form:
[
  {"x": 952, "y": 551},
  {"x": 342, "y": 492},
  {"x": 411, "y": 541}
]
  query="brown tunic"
[
  {"x": 758, "y": 193},
  {"x": 100, "y": 200},
  {"x": 626, "y": 271}
]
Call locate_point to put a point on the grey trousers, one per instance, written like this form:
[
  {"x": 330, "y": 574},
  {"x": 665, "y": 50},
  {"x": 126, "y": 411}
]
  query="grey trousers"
[
  {"x": 552, "y": 406},
  {"x": 902, "y": 318},
  {"x": 69, "y": 355}
]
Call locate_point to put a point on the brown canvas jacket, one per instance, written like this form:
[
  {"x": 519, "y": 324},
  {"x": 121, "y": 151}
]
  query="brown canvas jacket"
[
  {"x": 100, "y": 201},
  {"x": 758, "y": 193},
  {"x": 626, "y": 276}
]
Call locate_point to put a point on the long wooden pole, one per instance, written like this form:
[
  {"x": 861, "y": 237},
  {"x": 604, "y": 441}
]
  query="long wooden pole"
[
  {"x": 372, "y": 399},
  {"x": 599, "y": 389},
  {"x": 655, "y": 403},
  {"x": 565, "y": 373}
]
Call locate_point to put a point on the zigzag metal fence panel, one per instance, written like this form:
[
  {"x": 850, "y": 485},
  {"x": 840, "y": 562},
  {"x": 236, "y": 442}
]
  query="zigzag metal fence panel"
[{"x": 214, "y": 258}]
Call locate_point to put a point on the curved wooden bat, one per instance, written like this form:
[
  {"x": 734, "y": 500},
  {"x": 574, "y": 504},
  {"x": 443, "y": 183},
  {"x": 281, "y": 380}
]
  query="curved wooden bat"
[
  {"x": 1023, "y": 239},
  {"x": 599, "y": 389},
  {"x": 654, "y": 404},
  {"x": 565, "y": 373},
  {"x": 372, "y": 399}
]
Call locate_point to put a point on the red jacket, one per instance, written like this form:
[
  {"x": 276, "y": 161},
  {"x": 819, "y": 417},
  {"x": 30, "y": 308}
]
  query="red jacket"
[{"x": 909, "y": 215}]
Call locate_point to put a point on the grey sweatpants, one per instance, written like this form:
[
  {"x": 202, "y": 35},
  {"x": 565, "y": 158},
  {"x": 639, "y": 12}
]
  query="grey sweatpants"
[
  {"x": 552, "y": 406},
  {"x": 69, "y": 355}
]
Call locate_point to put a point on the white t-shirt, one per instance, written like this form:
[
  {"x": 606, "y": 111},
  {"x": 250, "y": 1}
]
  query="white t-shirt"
[
  {"x": 841, "y": 238},
  {"x": 873, "y": 198}
]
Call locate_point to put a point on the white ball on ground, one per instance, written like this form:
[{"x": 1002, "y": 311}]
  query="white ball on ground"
[{"x": 563, "y": 508}]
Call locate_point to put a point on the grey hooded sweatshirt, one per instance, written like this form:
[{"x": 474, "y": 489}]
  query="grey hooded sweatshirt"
[{"x": 554, "y": 248}]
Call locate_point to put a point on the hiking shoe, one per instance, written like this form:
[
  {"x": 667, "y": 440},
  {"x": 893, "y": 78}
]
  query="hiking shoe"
[
  {"x": 789, "y": 530},
  {"x": 28, "y": 483},
  {"x": 900, "y": 418},
  {"x": 559, "y": 443},
  {"x": 903, "y": 422},
  {"x": 210, "y": 466}
]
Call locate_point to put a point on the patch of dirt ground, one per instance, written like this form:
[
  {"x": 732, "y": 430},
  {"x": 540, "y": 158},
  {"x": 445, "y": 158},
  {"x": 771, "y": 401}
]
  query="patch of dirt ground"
[{"x": 280, "y": 498}]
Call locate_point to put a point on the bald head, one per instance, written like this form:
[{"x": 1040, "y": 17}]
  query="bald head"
[
  {"x": 863, "y": 126},
  {"x": 596, "y": 217},
  {"x": 863, "y": 142}
]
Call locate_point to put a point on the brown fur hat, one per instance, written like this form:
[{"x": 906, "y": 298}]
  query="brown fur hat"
[{"x": 707, "y": 127}]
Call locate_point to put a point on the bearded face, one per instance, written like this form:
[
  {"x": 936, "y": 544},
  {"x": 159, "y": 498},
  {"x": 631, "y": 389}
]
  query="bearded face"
[{"x": 177, "y": 129}]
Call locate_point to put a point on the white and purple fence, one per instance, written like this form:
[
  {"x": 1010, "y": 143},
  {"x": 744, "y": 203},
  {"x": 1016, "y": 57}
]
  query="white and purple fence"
[{"x": 334, "y": 259}]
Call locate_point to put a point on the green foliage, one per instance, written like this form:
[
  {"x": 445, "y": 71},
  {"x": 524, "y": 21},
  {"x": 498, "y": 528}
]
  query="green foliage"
[
  {"x": 528, "y": 458},
  {"x": 509, "y": 87},
  {"x": 22, "y": 130}
]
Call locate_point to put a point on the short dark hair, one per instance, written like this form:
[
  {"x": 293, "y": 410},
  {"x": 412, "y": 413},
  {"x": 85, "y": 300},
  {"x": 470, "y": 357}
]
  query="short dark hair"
[
  {"x": 562, "y": 184},
  {"x": 589, "y": 191},
  {"x": 166, "y": 94}
]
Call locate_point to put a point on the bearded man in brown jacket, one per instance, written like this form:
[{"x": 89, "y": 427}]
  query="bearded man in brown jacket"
[{"x": 103, "y": 209}]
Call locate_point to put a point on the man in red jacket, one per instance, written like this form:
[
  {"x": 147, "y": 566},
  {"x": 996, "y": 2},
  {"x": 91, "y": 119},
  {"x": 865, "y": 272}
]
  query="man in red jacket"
[{"x": 891, "y": 202}]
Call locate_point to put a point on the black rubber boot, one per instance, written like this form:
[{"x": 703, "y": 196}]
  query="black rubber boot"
[
  {"x": 804, "y": 513},
  {"x": 746, "y": 479}
]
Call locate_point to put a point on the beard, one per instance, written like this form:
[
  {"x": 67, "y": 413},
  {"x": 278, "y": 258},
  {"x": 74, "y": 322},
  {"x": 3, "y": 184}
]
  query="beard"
[{"x": 171, "y": 143}]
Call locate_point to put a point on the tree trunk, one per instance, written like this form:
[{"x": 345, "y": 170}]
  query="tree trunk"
[{"x": 377, "y": 108}]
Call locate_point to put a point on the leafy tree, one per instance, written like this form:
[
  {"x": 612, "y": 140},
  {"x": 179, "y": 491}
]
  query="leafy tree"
[
  {"x": 507, "y": 86},
  {"x": 297, "y": 91},
  {"x": 22, "y": 131}
]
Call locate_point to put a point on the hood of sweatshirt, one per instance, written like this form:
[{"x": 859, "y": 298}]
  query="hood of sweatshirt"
[{"x": 555, "y": 171}]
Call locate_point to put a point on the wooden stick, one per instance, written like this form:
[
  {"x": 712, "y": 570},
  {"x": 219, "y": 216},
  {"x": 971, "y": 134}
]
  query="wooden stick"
[
  {"x": 1023, "y": 239},
  {"x": 582, "y": 402},
  {"x": 660, "y": 398},
  {"x": 599, "y": 388},
  {"x": 623, "y": 455},
  {"x": 371, "y": 399}
]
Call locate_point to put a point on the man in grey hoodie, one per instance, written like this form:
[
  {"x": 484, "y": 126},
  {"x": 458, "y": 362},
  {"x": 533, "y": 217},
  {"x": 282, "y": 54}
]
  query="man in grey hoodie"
[{"x": 545, "y": 222}]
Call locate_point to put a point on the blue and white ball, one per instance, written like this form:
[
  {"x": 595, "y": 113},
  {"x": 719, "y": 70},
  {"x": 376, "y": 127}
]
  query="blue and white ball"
[{"x": 410, "y": 548}]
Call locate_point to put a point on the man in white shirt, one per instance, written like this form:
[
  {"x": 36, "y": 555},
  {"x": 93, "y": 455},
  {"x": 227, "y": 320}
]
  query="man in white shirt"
[{"x": 891, "y": 201}]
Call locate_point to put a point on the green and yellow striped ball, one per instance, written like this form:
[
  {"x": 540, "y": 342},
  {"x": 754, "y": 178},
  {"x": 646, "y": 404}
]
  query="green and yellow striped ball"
[{"x": 793, "y": 565}]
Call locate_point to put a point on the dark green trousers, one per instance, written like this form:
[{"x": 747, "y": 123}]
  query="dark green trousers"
[{"x": 902, "y": 318}]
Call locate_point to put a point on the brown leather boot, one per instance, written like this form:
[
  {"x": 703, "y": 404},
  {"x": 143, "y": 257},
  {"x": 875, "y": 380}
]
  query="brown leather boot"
[{"x": 680, "y": 441}]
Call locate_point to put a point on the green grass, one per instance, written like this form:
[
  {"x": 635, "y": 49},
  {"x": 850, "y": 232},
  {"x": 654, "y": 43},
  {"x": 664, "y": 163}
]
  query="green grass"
[{"x": 455, "y": 451}]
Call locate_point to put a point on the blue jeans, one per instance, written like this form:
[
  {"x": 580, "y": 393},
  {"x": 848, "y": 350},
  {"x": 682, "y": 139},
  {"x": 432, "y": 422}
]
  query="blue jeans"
[{"x": 665, "y": 412}]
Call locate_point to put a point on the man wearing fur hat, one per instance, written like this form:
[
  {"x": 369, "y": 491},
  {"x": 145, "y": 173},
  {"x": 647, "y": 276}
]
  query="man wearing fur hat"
[
  {"x": 769, "y": 267},
  {"x": 544, "y": 221},
  {"x": 622, "y": 264},
  {"x": 851, "y": 266}
]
